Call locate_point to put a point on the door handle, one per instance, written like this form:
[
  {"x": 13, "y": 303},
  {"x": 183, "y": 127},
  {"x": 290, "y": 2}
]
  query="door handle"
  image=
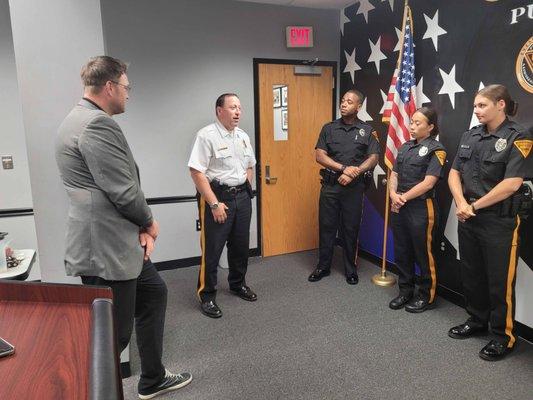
[{"x": 269, "y": 180}]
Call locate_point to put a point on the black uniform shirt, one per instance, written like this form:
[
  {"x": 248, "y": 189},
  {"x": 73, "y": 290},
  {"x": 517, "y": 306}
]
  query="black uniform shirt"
[
  {"x": 416, "y": 160},
  {"x": 348, "y": 144},
  {"x": 485, "y": 159}
]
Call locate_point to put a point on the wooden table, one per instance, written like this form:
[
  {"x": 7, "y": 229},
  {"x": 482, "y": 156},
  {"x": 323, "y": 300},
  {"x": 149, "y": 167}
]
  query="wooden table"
[{"x": 63, "y": 339}]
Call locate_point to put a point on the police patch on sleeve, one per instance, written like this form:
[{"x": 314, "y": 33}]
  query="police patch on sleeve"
[
  {"x": 524, "y": 146},
  {"x": 375, "y": 134},
  {"x": 441, "y": 156},
  {"x": 423, "y": 151},
  {"x": 500, "y": 144}
]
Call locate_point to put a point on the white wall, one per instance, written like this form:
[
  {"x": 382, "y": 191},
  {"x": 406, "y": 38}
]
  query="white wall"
[
  {"x": 15, "y": 183},
  {"x": 183, "y": 54},
  {"x": 52, "y": 40}
]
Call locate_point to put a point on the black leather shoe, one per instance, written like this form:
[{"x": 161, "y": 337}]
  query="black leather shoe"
[
  {"x": 418, "y": 305},
  {"x": 352, "y": 279},
  {"x": 495, "y": 351},
  {"x": 466, "y": 330},
  {"x": 245, "y": 293},
  {"x": 211, "y": 309},
  {"x": 399, "y": 301},
  {"x": 318, "y": 274}
]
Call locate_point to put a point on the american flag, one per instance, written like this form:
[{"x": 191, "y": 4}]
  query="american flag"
[{"x": 401, "y": 99}]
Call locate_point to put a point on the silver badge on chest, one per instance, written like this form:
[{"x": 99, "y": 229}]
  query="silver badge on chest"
[
  {"x": 500, "y": 144},
  {"x": 362, "y": 132},
  {"x": 423, "y": 151}
]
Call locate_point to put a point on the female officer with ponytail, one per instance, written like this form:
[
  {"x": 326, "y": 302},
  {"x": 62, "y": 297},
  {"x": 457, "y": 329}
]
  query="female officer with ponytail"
[
  {"x": 488, "y": 169},
  {"x": 418, "y": 167}
]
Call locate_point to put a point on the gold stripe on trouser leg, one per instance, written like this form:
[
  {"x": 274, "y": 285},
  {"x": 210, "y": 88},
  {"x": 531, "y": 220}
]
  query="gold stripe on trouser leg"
[
  {"x": 509, "y": 293},
  {"x": 429, "y": 240},
  {"x": 201, "y": 277}
]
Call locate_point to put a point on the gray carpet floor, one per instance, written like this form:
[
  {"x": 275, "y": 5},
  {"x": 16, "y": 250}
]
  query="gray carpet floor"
[{"x": 324, "y": 340}]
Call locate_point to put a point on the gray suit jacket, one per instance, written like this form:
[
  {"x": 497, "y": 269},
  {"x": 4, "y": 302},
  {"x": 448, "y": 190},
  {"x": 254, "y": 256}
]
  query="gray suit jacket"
[{"x": 107, "y": 206}]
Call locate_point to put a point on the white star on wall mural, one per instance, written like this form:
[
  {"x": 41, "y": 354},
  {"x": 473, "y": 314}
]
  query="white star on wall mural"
[
  {"x": 474, "y": 121},
  {"x": 421, "y": 98},
  {"x": 399, "y": 42},
  {"x": 363, "y": 115},
  {"x": 364, "y": 8},
  {"x": 351, "y": 65},
  {"x": 450, "y": 85},
  {"x": 376, "y": 54},
  {"x": 391, "y": 3},
  {"x": 384, "y": 98},
  {"x": 433, "y": 30},
  {"x": 344, "y": 20}
]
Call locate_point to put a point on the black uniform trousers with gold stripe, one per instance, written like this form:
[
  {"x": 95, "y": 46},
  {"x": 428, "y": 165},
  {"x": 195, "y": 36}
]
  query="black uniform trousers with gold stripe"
[
  {"x": 235, "y": 231},
  {"x": 414, "y": 228},
  {"x": 340, "y": 208},
  {"x": 488, "y": 245}
]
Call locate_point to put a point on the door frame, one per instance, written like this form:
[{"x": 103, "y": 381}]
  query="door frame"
[{"x": 256, "y": 62}]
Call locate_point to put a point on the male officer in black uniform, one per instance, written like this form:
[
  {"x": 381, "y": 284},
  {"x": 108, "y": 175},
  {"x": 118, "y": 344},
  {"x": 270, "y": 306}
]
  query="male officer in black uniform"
[
  {"x": 487, "y": 171},
  {"x": 346, "y": 148}
]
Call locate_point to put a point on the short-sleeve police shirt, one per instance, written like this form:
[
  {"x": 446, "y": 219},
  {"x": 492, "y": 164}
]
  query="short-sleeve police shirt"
[
  {"x": 222, "y": 155},
  {"x": 416, "y": 160},
  {"x": 348, "y": 144},
  {"x": 485, "y": 159}
]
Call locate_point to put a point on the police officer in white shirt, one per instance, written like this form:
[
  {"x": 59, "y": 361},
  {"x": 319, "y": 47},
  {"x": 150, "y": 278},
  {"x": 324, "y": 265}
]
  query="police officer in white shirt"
[{"x": 221, "y": 165}]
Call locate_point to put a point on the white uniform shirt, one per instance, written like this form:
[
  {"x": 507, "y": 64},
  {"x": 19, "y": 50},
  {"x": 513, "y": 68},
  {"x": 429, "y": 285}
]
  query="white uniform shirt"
[{"x": 222, "y": 155}]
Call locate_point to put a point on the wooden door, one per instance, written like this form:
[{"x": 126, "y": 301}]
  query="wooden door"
[{"x": 289, "y": 202}]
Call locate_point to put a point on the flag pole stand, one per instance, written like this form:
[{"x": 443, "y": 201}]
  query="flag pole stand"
[{"x": 383, "y": 279}]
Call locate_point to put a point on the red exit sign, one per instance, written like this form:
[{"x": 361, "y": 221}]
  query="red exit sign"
[{"x": 299, "y": 36}]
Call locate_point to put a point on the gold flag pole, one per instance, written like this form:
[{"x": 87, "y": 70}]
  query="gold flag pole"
[{"x": 383, "y": 279}]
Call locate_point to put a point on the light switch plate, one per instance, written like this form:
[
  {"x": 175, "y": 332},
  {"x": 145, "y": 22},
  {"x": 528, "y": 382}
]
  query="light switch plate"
[{"x": 7, "y": 162}]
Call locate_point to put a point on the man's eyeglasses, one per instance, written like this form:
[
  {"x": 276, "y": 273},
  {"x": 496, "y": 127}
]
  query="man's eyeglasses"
[{"x": 127, "y": 87}]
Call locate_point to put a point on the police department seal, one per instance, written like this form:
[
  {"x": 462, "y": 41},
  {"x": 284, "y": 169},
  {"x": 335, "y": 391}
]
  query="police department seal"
[{"x": 524, "y": 66}]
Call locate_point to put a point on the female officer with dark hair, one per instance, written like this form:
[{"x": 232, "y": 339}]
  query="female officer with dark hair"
[
  {"x": 487, "y": 171},
  {"x": 418, "y": 167}
]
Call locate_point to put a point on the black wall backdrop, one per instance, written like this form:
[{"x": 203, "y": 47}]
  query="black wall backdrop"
[{"x": 460, "y": 45}]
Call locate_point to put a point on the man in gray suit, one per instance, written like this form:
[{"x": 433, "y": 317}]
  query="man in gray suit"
[{"x": 110, "y": 227}]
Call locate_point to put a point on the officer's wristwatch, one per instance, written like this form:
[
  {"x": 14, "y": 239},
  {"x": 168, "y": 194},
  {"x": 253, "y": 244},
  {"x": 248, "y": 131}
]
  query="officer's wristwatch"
[{"x": 213, "y": 206}]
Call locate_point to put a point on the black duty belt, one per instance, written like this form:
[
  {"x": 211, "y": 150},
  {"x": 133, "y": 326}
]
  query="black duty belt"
[{"x": 233, "y": 189}]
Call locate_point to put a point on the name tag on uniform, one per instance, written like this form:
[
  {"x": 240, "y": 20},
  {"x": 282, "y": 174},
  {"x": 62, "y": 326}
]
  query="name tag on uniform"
[
  {"x": 465, "y": 146},
  {"x": 223, "y": 148}
]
